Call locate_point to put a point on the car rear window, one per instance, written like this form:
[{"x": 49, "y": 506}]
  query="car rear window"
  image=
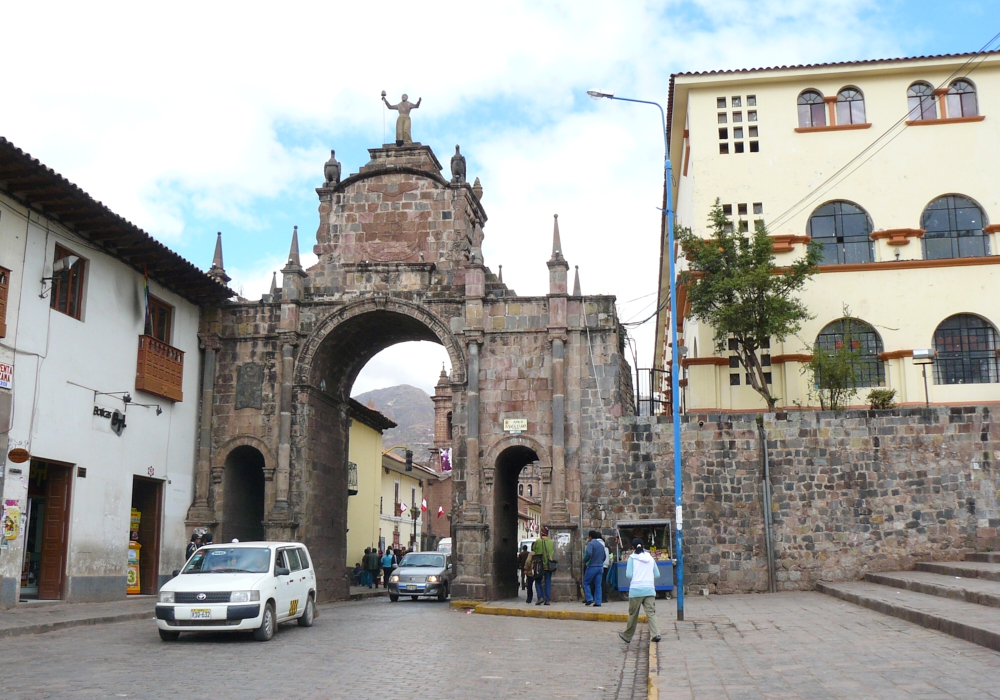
[{"x": 230, "y": 560}]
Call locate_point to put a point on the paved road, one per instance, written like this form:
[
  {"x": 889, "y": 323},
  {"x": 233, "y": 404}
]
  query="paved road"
[
  {"x": 812, "y": 646},
  {"x": 345, "y": 655}
]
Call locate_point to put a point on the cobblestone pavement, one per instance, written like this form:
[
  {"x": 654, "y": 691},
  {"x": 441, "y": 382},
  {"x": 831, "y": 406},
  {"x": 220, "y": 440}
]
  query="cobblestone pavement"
[
  {"x": 808, "y": 645},
  {"x": 432, "y": 652}
]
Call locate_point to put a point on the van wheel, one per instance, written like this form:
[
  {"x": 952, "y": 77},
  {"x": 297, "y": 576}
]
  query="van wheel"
[
  {"x": 306, "y": 619},
  {"x": 168, "y": 636},
  {"x": 393, "y": 597},
  {"x": 265, "y": 632}
]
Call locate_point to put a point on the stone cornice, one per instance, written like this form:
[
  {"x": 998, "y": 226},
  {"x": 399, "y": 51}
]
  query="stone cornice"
[{"x": 898, "y": 236}]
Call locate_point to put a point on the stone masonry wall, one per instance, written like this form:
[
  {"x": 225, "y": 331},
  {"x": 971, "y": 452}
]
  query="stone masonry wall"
[{"x": 853, "y": 492}]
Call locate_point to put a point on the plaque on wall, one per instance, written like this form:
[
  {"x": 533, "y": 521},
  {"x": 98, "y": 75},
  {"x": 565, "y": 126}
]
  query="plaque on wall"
[{"x": 249, "y": 382}]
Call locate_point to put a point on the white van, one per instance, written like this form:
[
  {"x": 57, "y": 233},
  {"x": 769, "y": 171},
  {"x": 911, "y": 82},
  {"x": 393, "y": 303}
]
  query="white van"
[
  {"x": 445, "y": 545},
  {"x": 245, "y": 586}
]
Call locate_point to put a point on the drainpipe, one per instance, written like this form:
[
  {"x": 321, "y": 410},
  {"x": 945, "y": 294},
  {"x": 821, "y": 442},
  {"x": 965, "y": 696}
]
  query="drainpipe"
[{"x": 772, "y": 586}]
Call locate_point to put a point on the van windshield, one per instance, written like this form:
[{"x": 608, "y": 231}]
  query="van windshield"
[
  {"x": 230, "y": 560},
  {"x": 420, "y": 559}
]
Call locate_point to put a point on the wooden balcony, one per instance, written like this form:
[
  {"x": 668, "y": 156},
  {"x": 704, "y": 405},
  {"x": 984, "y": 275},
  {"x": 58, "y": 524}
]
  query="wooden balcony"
[{"x": 160, "y": 369}]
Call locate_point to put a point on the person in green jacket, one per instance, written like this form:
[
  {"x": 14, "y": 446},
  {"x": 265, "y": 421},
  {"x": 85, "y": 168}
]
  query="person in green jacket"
[{"x": 544, "y": 550}]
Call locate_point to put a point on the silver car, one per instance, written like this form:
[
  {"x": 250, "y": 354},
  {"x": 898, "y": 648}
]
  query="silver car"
[{"x": 422, "y": 574}]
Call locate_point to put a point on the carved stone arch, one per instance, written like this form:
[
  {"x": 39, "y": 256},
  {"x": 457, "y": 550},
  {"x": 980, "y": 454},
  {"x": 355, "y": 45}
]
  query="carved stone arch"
[
  {"x": 385, "y": 303},
  {"x": 494, "y": 451},
  {"x": 222, "y": 453}
]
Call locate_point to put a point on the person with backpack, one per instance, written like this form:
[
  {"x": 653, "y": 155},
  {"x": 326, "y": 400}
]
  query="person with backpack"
[
  {"x": 643, "y": 571},
  {"x": 544, "y": 564},
  {"x": 529, "y": 575}
]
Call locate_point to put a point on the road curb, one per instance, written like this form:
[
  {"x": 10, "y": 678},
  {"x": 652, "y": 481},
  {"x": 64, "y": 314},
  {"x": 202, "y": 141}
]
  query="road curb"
[
  {"x": 652, "y": 692},
  {"x": 582, "y": 615},
  {"x": 67, "y": 624}
]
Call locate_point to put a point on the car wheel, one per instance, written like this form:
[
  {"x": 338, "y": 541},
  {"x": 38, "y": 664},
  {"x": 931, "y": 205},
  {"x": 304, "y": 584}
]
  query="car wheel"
[
  {"x": 393, "y": 597},
  {"x": 443, "y": 593},
  {"x": 306, "y": 619},
  {"x": 168, "y": 636},
  {"x": 266, "y": 629}
]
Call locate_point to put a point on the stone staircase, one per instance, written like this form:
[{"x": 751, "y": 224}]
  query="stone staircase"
[{"x": 958, "y": 598}]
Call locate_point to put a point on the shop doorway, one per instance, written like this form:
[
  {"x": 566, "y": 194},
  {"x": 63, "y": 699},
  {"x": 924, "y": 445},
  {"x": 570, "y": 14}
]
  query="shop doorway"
[
  {"x": 147, "y": 508},
  {"x": 509, "y": 464},
  {"x": 243, "y": 505},
  {"x": 43, "y": 570}
]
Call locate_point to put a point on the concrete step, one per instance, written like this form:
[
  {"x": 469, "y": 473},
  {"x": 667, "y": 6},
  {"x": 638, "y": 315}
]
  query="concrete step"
[
  {"x": 990, "y": 557},
  {"x": 965, "y": 569},
  {"x": 967, "y": 590},
  {"x": 973, "y": 623}
]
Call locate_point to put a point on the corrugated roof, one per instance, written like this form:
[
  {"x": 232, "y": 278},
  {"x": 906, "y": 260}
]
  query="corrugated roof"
[
  {"x": 47, "y": 192},
  {"x": 369, "y": 416}
]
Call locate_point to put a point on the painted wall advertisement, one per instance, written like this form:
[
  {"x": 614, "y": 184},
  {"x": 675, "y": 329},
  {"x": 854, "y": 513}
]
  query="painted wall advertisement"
[{"x": 6, "y": 376}]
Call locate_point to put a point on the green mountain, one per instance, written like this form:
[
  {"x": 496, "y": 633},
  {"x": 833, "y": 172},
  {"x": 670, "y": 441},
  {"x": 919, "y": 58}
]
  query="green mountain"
[{"x": 413, "y": 412}]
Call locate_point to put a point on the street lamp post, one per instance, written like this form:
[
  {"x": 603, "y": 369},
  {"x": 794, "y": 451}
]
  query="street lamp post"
[
  {"x": 668, "y": 214},
  {"x": 414, "y": 513}
]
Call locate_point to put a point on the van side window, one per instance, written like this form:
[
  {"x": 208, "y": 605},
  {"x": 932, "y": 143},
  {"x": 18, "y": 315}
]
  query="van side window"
[
  {"x": 293, "y": 559},
  {"x": 304, "y": 558},
  {"x": 279, "y": 560}
]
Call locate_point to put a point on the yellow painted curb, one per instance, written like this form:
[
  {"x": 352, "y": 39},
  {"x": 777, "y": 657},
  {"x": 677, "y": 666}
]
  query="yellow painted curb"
[
  {"x": 652, "y": 692},
  {"x": 583, "y": 615},
  {"x": 465, "y": 604}
]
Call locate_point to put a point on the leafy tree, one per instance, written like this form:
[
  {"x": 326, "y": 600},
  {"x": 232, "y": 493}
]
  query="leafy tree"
[
  {"x": 834, "y": 370},
  {"x": 735, "y": 287}
]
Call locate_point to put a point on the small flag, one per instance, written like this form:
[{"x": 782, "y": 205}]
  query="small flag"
[
  {"x": 446, "y": 460},
  {"x": 402, "y": 508},
  {"x": 423, "y": 506},
  {"x": 440, "y": 511}
]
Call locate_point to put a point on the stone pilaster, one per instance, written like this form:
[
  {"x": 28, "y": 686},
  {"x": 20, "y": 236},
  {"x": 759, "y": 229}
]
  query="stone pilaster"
[{"x": 200, "y": 514}]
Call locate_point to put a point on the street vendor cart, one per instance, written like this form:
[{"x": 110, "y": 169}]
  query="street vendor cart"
[{"x": 657, "y": 539}]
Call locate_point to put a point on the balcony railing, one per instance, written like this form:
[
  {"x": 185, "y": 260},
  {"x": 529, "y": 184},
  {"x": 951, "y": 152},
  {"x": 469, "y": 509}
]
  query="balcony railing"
[
  {"x": 160, "y": 369},
  {"x": 352, "y": 479}
]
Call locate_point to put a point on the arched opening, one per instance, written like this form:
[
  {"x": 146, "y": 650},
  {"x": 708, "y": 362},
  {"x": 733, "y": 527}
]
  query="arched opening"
[
  {"x": 243, "y": 495},
  {"x": 864, "y": 341},
  {"x": 509, "y": 464},
  {"x": 966, "y": 348},
  {"x": 330, "y": 366}
]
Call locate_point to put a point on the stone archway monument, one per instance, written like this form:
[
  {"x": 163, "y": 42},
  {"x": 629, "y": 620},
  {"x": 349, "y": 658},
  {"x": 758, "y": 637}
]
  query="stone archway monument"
[{"x": 400, "y": 259}]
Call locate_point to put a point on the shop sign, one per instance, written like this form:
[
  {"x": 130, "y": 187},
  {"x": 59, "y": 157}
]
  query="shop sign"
[
  {"x": 6, "y": 376},
  {"x": 116, "y": 416},
  {"x": 515, "y": 426},
  {"x": 18, "y": 455}
]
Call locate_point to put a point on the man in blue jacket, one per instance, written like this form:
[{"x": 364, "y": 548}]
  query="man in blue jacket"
[{"x": 593, "y": 573}]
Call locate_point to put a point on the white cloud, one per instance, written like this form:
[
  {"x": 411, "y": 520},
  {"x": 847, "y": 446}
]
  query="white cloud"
[{"x": 188, "y": 112}]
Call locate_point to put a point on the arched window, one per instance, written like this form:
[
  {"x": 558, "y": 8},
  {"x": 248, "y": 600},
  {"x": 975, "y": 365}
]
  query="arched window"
[
  {"x": 965, "y": 351},
  {"x": 953, "y": 228},
  {"x": 520, "y": 489},
  {"x": 850, "y": 106},
  {"x": 962, "y": 99},
  {"x": 844, "y": 229},
  {"x": 812, "y": 110},
  {"x": 920, "y": 102},
  {"x": 868, "y": 368}
]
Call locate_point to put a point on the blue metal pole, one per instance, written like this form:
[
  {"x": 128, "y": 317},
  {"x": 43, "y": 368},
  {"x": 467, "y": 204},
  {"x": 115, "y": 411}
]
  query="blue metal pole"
[{"x": 668, "y": 213}]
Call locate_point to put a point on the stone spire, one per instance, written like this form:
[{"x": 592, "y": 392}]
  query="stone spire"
[
  {"x": 443, "y": 380},
  {"x": 500, "y": 275},
  {"x": 274, "y": 284},
  {"x": 218, "y": 271},
  {"x": 558, "y": 267},
  {"x": 293, "y": 252},
  {"x": 576, "y": 282},
  {"x": 292, "y": 273},
  {"x": 556, "y": 242}
]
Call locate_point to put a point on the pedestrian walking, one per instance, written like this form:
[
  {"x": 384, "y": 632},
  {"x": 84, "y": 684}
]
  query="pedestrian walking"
[
  {"x": 593, "y": 572},
  {"x": 544, "y": 564},
  {"x": 522, "y": 557},
  {"x": 529, "y": 575},
  {"x": 643, "y": 571},
  {"x": 366, "y": 572},
  {"x": 605, "y": 584},
  {"x": 388, "y": 564},
  {"x": 373, "y": 566},
  {"x": 193, "y": 546}
]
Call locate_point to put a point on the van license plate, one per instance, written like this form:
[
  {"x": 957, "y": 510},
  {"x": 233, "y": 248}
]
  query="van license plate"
[{"x": 201, "y": 614}]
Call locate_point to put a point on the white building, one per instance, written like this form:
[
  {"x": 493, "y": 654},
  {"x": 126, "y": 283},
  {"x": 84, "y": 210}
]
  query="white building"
[
  {"x": 100, "y": 415},
  {"x": 891, "y": 164}
]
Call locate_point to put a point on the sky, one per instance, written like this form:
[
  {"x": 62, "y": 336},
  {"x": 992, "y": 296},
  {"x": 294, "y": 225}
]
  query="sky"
[{"x": 191, "y": 118}]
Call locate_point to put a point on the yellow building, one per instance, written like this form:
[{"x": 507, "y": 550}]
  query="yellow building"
[
  {"x": 892, "y": 165},
  {"x": 364, "y": 479},
  {"x": 402, "y": 489}
]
